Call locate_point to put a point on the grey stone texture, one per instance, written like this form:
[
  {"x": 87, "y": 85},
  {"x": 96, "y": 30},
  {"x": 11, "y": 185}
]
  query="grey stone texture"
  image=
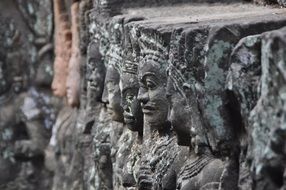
[{"x": 174, "y": 95}]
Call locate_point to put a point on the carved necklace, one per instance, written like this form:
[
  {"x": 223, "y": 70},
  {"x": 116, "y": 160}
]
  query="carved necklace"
[
  {"x": 194, "y": 167},
  {"x": 164, "y": 153}
]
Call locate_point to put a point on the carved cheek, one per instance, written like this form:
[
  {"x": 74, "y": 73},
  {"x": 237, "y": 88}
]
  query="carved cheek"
[
  {"x": 136, "y": 108},
  {"x": 158, "y": 95}
]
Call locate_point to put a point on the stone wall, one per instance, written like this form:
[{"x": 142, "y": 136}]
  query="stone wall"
[{"x": 146, "y": 95}]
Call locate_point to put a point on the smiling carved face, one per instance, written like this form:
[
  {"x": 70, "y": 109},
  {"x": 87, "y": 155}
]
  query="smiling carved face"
[
  {"x": 112, "y": 95},
  {"x": 152, "y": 94}
]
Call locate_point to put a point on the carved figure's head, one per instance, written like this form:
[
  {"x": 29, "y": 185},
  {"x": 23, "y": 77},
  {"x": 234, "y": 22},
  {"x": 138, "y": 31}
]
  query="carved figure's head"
[
  {"x": 95, "y": 72},
  {"x": 181, "y": 93},
  {"x": 133, "y": 116},
  {"x": 111, "y": 94},
  {"x": 153, "y": 79}
]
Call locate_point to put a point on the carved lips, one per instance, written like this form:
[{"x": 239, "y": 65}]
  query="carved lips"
[
  {"x": 147, "y": 109},
  {"x": 128, "y": 118}
]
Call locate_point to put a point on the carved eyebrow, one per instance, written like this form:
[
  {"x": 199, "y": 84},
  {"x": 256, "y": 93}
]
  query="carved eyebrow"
[
  {"x": 125, "y": 89},
  {"x": 148, "y": 74}
]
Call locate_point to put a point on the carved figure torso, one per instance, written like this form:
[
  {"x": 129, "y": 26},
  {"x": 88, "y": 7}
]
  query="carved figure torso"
[
  {"x": 157, "y": 161},
  {"x": 125, "y": 141},
  {"x": 8, "y": 127},
  {"x": 131, "y": 168},
  {"x": 200, "y": 172},
  {"x": 64, "y": 145},
  {"x": 102, "y": 152},
  {"x": 23, "y": 138}
]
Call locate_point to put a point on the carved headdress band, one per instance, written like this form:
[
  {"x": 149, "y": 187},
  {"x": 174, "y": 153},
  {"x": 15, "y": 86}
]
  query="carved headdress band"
[
  {"x": 178, "y": 69},
  {"x": 153, "y": 48},
  {"x": 132, "y": 52},
  {"x": 130, "y": 66},
  {"x": 114, "y": 56}
]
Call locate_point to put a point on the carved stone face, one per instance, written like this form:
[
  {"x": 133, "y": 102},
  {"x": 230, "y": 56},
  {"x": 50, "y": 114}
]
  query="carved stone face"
[
  {"x": 112, "y": 95},
  {"x": 5, "y": 83},
  {"x": 180, "y": 114},
  {"x": 95, "y": 71},
  {"x": 73, "y": 80},
  {"x": 60, "y": 76},
  {"x": 133, "y": 116},
  {"x": 152, "y": 94}
]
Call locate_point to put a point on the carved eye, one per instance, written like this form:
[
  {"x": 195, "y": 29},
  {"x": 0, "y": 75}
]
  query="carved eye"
[
  {"x": 129, "y": 98},
  {"x": 142, "y": 85},
  {"x": 110, "y": 87},
  {"x": 150, "y": 84}
]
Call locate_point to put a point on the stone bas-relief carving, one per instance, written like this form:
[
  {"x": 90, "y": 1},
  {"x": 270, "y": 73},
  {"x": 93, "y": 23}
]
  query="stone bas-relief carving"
[
  {"x": 211, "y": 157},
  {"x": 178, "y": 100},
  {"x": 158, "y": 137},
  {"x": 187, "y": 121},
  {"x": 26, "y": 108},
  {"x": 131, "y": 136},
  {"x": 133, "y": 116}
]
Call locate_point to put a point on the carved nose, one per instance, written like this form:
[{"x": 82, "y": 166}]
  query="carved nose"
[
  {"x": 143, "y": 96},
  {"x": 104, "y": 97},
  {"x": 92, "y": 75}
]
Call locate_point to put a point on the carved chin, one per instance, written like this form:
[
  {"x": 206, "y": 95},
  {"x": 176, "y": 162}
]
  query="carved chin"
[
  {"x": 154, "y": 119},
  {"x": 131, "y": 126},
  {"x": 129, "y": 121},
  {"x": 116, "y": 117}
]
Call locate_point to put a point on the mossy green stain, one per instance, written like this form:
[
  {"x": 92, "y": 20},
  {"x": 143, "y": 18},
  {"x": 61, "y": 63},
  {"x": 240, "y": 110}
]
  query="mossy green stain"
[{"x": 214, "y": 84}]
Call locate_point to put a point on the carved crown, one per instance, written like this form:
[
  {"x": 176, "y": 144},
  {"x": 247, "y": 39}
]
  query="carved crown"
[
  {"x": 131, "y": 51},
  {"x": 178, "y": 69},
  {"x": 153, "y": 48},
  {"x": 114, "y": 56}
]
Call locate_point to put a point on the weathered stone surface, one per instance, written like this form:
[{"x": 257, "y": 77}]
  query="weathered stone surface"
[
  {"x": 267, "y": 146},
  {"x": 252, "y": 93},
  {"x": 155, "y": 94},
  {"x": 27, "y": 109}
]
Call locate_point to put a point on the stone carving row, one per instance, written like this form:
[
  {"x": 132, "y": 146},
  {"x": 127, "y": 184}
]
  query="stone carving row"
[
  {"x": 146, "y": 103},
  {"x": 167, "y": 84}
]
